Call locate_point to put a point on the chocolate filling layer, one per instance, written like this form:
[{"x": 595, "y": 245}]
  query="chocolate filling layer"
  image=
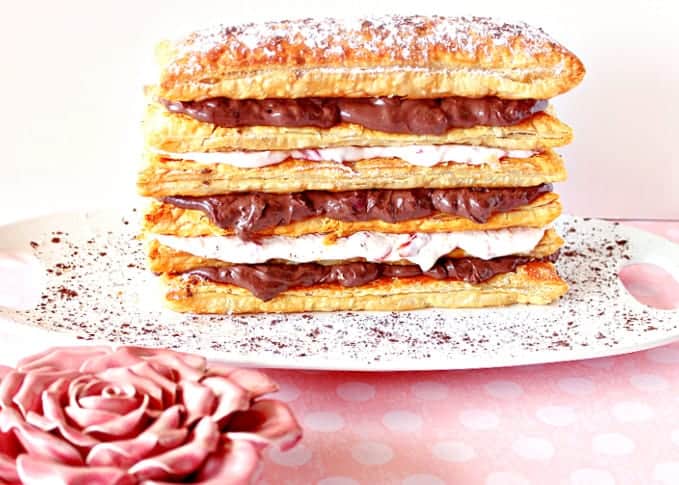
[
  {"x": 388, "y": 114},
  {"x": 265, "y": 281},
  {"x": 248, "y": 213}
]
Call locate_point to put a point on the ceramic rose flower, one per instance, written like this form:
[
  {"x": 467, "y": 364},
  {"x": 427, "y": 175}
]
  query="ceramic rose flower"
[{"x": 94, "y": 415}]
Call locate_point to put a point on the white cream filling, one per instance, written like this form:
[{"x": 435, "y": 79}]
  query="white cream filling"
[
  {"x": 420, "y": 155},
  {"x": 423, "y": 249}
]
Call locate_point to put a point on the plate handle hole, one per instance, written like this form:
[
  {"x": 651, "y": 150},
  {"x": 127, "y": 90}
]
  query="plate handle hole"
[{"x": 651, "y": 285}]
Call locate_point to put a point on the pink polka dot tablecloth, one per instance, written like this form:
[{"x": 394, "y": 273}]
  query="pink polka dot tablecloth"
[{"x": 613, "y": 420}]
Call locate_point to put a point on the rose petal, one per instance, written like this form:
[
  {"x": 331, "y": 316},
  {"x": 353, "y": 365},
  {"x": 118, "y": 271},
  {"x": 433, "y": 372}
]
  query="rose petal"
[
  {"x": 8, "y": 471},
  {"x": 253, "y": 381},
  {"x": 198, "y": 400},
  {"x": 9, "y": 386},
  {"x": 183, "y": 460},
  {"x": 39, "y": 471},
  {"x": 110, "y": 404},
  {"x": 82, "y": 384},
  {"x": 27, "y": 398},
  {"x": 61, "y": 358},
  {"x": 163, "y": 434},
  {"x": 268, "y": 419},
  {"x": 40, "y": 421},
  {"x": 143, "y": 385},
  {"x": 187, "y": 366},
  {"x": 165, "y": 428},
  {"x": 231, "y": 396},
  {"x": 10, "y": 448},
  {"x": 99, "y": 408},
  {"x": 119, "y": 359},
  {"x": 166, "y": 385},
  {"x": 4, "y": 370},
  {"x": 234, "y": 463},
  {"x": 192, "y": 360},
  {"x": 121, "y": 454},
  {"x": 127, "y": 425},
  {"x": 219, "y": 369},
  {"x": 9, "y": 444},
  {"x": 37, "y": 442},
  {"x": 85, "y": 418},
  {"x": 53, "y": 417},
  {"x": 94, "y": 387}
]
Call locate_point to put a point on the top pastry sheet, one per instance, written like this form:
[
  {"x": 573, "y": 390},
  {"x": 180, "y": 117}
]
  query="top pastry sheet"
[{"x": 415, "y": 56}]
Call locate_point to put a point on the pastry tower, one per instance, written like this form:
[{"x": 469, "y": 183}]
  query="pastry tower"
[{"x": 388, "y": 163}]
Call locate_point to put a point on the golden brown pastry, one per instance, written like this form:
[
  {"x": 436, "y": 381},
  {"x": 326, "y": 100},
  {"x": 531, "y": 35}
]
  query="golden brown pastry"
[
  {"x": 179, "y": 133},
  {"x": 418, "y": 57},
  {"x": 257, "y": 117},
  {"x": 163, "y": 176},
  {"x": 167, "y": 219},
  {"x": 162, "y": 259},
  {"x": 534, "y": 283}
]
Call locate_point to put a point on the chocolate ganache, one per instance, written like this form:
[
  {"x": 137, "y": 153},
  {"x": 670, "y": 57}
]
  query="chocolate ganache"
[
  {"x": 266, "y": 281},
  {"x": 387, "y": 114},
  {"x": 248, "y": 213}
]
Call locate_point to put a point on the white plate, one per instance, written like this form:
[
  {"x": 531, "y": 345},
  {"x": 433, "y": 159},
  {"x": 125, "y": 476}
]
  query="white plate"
[{"x": 97, "y": 289}]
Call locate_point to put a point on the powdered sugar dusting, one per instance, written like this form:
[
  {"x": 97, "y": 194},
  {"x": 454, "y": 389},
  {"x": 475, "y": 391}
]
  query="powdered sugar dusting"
[
  {"x": 410, "y": 39},
  {"x": 98, "y": 288}
]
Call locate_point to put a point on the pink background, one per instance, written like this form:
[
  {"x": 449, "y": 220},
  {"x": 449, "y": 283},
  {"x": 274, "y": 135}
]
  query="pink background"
[{"x": 604, "y": 421}]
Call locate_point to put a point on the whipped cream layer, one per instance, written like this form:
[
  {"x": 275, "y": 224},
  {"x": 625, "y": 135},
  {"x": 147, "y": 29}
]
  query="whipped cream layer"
[
  {"x": 420, "y": 155},
  {"x": 422, "y": 249}
]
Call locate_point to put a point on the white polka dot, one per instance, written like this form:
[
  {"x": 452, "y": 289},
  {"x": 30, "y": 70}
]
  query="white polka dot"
[
  {"x": 666, "y": 472},
  {"x": 355, "y": 391},
  {"x": 287, "y": 393},
  {"x": 649, "y": 382},
  {"x": 371, "y": 453},
  {"x": 663, "y": 355},
  {"x": 325, "y": 422},
  {"x": 591, "y": 476},
  {"x": 429, "y": 391},
  {"x": 337, "y": 481},
  {"x": 578, "y": 386},
  {"x": 533, "y": 448},
  {"x": 453, "y": 451},
  {"x": 630, "y": 411},
  {"x": 479, "y": 419},
  {"x": 422, "y": 479},
  {"x": 556, "y": 415},
  {"x": 297, "y": 456},
  {"x": 506, "y": 478},
  {"x": 613, "y": 444},
  {"x": 402, "y": 421},
  {"x": 675, "y": 437},
  {"x": 599, "y": 363},
  {"x": 503, "y": 389}
]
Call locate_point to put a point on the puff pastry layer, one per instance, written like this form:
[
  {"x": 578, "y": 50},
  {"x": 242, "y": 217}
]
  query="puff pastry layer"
[
  {"x": 163, "y": 259},
  {"x": 179, "y": 133},
  {"x": 162, "y": 176},
  {"x": 535, "y": 283},
  {"x": 393, "y": 55},
  {"x": 167, "y": 219}
]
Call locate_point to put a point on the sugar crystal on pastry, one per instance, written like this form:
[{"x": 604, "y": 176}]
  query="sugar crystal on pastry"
[{"x": 383, "y": 163}]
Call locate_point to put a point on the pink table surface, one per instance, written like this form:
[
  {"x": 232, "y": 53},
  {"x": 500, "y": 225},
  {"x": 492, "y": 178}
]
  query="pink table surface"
[{"x": 606, "y": 421}]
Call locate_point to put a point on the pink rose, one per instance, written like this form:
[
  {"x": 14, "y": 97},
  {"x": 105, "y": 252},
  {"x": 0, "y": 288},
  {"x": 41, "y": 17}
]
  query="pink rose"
[{"x": 94, "y": 415}]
